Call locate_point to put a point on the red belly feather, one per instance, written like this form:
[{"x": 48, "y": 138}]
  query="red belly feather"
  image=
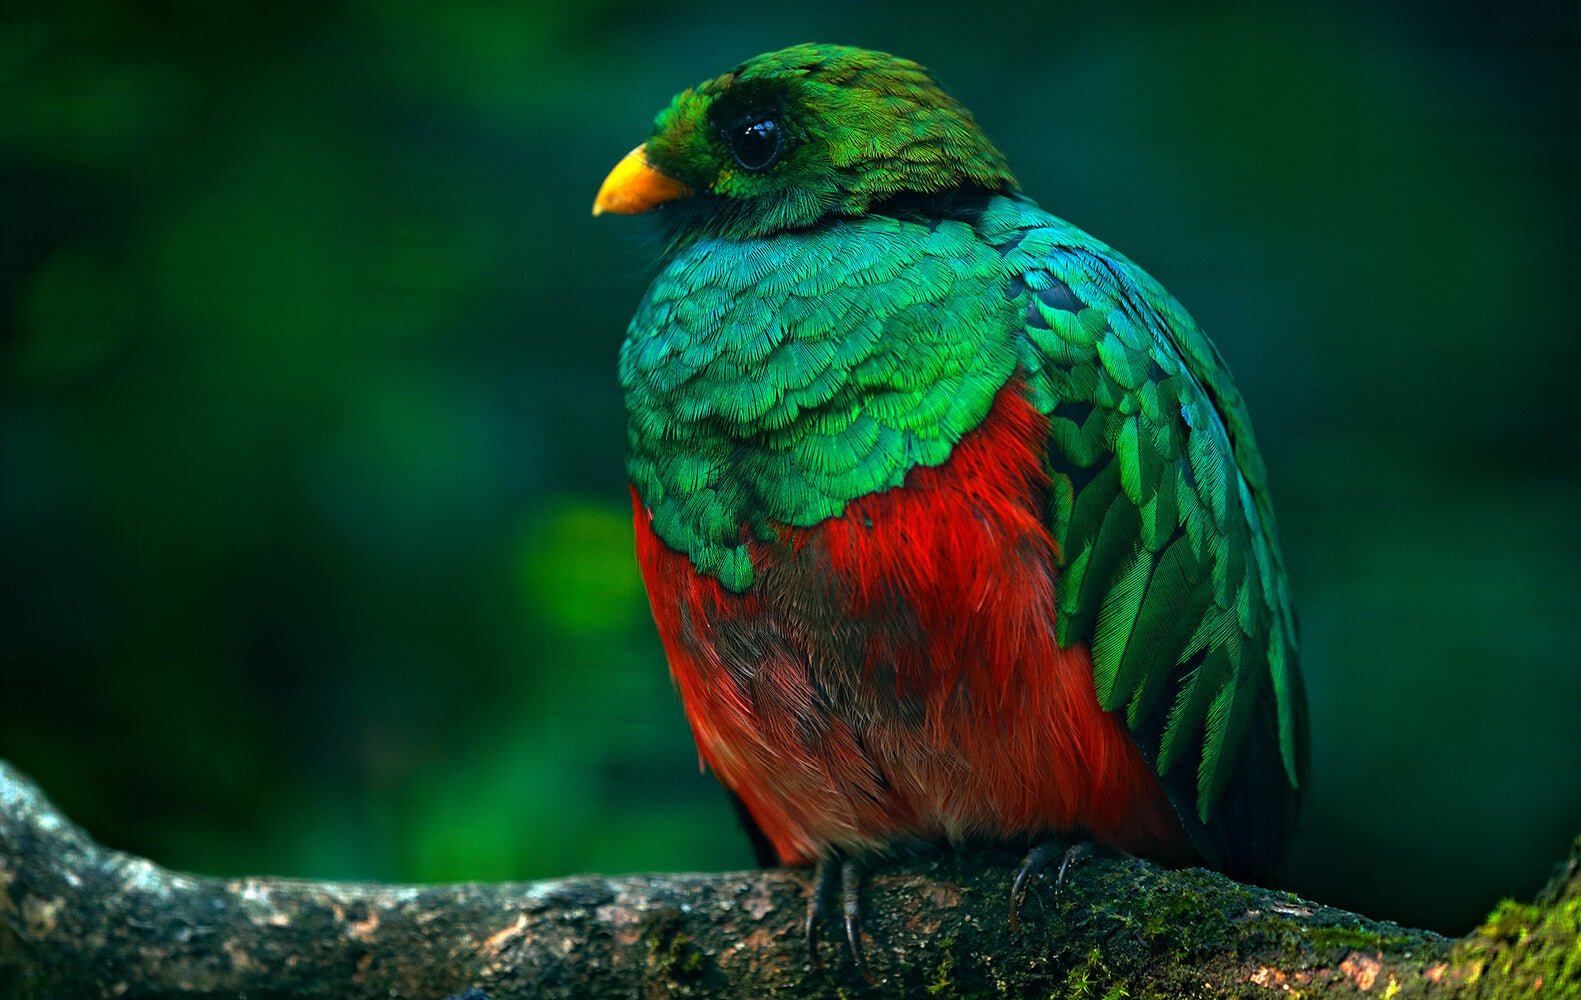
[{"x": 961, "y": 718}]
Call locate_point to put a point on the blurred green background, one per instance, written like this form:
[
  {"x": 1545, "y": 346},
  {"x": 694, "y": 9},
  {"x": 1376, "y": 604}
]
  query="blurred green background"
[{"x": 314, "y": 543}]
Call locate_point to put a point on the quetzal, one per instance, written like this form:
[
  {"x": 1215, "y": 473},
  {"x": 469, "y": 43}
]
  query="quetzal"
[{"x": 951, "y": 518}]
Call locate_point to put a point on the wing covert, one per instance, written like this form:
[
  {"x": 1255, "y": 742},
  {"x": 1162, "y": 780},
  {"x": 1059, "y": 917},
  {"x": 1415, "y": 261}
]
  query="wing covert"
[{"x": 1171, "y": 571}]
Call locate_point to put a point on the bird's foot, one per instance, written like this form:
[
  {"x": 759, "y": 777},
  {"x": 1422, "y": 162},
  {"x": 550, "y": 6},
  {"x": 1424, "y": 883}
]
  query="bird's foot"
[
  {"x": 849, "y": 875},
  {"x": 1038, "y": 859}
]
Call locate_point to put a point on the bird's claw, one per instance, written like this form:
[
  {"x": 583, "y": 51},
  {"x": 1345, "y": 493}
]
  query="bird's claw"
[
  {"x": 823, "y": 877},
  {"x": 849, "y": 875},
  {"x": 1036, "y": 860}
]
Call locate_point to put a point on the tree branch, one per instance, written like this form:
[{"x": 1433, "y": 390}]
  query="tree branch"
[{"x": 78, "y": 919}]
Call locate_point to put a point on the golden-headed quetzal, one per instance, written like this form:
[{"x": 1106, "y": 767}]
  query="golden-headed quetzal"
[{"x": 951, "y": 518}]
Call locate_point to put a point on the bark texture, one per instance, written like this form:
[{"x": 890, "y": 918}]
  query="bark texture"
[{"x": 80, "y": 920}]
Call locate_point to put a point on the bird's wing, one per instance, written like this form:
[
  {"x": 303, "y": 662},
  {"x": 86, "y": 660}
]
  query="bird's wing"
[{"x": 1170, "y": 570}]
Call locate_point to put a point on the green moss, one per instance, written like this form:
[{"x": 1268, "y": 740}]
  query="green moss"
[
  {"x": 942, "y": 978},
  {"x": 1078, "y": 982},
  {"x": 1353, "y": 939},
  {"x": 674, "y": 955},
  {"x": 1093, "y": 980},
  {"x": 1510, "y": 921},
  {"x": 1187, "y": 916},
  {"x": 1529, "y": 949}
]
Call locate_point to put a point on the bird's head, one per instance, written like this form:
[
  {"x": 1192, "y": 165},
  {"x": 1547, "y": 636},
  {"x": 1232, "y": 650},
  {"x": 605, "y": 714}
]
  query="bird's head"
[{"x": 795, "y": 136}]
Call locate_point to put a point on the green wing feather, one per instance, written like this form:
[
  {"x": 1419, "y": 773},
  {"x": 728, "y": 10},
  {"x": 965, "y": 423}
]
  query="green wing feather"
[{"x": 1172, "y": 574}]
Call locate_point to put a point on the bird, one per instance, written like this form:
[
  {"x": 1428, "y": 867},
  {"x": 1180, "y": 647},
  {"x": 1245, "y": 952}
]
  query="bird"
[{"x": 951, "y": 518}]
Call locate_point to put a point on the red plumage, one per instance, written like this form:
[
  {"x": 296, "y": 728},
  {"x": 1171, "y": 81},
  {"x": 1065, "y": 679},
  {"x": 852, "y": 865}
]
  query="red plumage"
[{"x": 893, "y": 676}]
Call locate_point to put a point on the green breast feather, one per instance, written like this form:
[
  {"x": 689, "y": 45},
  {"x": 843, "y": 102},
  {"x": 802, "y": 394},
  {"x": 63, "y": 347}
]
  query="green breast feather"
[{"x": 774, "y": 379}]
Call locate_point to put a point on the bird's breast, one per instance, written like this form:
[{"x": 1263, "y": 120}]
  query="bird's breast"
[{"x": 892, "y": 672}]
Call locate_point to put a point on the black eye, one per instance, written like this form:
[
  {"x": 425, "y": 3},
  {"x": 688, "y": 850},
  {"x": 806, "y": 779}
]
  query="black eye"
[{"x": 756, "y": 144}]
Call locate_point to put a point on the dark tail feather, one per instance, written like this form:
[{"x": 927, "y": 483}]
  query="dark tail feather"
[{"x": 762, "y": 850}]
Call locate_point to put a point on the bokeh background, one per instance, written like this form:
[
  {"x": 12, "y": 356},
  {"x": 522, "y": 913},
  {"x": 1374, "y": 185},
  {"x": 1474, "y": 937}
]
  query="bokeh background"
[{"x": 314, "y": 544}]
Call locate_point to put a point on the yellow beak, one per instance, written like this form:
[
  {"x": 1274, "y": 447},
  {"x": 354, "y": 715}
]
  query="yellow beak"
[{"x": 633, "y": 187}]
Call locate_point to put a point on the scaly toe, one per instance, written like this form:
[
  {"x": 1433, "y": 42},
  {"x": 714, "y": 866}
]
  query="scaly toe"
[{"x": 1036, "y": 860}]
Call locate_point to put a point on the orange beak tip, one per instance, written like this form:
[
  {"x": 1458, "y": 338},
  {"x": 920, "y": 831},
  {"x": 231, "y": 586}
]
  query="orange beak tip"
[{"x": 634, "y": 186}]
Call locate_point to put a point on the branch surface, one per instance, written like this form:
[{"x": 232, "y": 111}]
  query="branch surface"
[{"x": 78, "y": 919}]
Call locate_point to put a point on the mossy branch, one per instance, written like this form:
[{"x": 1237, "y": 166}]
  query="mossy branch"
[{"x": 80, "y": 920}]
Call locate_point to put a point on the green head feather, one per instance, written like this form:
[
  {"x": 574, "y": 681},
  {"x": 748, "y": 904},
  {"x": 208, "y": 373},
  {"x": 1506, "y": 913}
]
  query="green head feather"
[{"x": 788, "y": 138}]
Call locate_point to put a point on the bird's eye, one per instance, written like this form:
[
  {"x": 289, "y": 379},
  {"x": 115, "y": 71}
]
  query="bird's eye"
[{"x": 756, "y": 144}]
